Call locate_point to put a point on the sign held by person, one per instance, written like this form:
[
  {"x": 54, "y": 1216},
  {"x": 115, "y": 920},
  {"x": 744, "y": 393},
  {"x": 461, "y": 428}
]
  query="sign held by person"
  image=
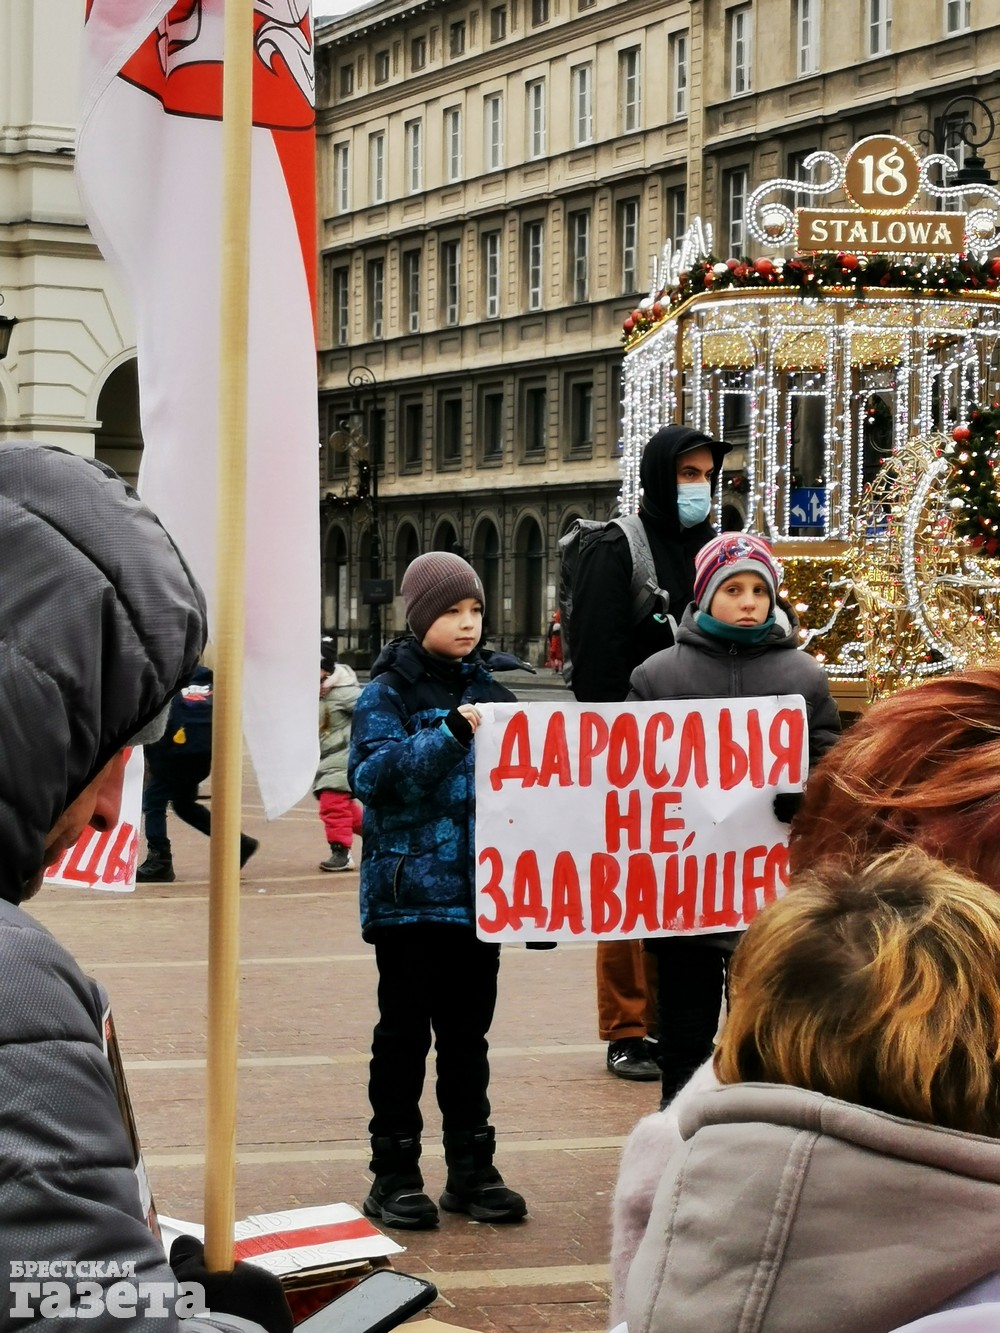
[{"x": 625, "y": 821}]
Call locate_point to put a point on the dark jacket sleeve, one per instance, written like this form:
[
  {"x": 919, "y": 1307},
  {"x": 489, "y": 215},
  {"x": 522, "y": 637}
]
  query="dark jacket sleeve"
[
  {"x": 824, "y": 719},
  {"x": 601, "y": 623},
  {"x": 390, "y": 766}
]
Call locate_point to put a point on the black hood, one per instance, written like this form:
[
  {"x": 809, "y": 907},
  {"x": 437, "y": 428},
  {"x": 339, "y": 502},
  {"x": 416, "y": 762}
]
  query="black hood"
[
  {"x": 101, "y": 621},
  {"x": 658, "y": 472}
]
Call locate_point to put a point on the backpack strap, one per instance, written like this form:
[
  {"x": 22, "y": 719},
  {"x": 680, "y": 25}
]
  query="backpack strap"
[{"x": 647, "y": 595}]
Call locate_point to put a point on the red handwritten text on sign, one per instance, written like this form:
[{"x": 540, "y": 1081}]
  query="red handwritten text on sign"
[{"x": 621, "y": 821}]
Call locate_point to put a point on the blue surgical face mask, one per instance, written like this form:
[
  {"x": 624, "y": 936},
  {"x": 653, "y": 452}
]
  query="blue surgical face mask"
[{"x": 694, "y": 501}]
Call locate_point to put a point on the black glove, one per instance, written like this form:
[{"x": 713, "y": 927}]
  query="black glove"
[
  {"x": 786, "y": 805},
  {"x": 247, "y": 1291}
]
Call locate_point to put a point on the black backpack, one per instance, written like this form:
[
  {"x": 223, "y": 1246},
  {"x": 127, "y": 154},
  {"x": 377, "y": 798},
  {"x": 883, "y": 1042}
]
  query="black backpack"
[{"x": 646, "y": 592}]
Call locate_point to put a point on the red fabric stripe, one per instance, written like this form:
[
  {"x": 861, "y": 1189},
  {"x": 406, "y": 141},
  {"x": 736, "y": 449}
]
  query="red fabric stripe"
[{"x": 294, "y": 1240}]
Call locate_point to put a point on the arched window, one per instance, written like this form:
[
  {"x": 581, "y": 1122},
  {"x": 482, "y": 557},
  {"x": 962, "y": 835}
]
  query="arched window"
[
  {"x": 335, "y": 581},
  {"x": 118, "y": 439},
  {"x": 445, "y": 537},
  {"x": 529, "y": 614},
  {"x": 486, "y": 561},
  {"x": 407, "y": 550}
]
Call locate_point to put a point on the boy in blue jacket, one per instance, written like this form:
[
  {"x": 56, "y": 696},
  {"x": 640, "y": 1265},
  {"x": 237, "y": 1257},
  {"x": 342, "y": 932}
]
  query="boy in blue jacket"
[{"x": 411, "y": 766}]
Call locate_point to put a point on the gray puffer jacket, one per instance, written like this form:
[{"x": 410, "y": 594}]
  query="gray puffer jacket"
[
  {"x": 701, "y": 667},
  {"x": 336, "y": 708},
  {"x": 101, "y": 621},
  {"x": 789, "y": 1212}
]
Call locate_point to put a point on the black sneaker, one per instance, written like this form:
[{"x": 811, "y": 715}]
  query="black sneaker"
[
  {"x": 155, "y": 870},
  {"x": 401, "y": 1205},
  {"x": 340, "y": 858},
  {"x": 631, "y": 1058},
  {"x": 484, "y": 1197}
]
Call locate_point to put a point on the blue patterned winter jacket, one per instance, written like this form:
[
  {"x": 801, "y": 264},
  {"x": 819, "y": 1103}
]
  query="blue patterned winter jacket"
[{"x": 416, "y": 783}]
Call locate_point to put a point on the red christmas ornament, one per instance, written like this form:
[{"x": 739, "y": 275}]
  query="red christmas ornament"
[
  {"x": 961, "y": 433},
  {"x": 848, "y": 261},
  {"x": 764, "y": 267},
  {"x": 629, "y": 324}
]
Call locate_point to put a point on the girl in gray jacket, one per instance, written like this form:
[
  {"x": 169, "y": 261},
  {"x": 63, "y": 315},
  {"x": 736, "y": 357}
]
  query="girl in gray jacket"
[{"x": 735, "y": 640}]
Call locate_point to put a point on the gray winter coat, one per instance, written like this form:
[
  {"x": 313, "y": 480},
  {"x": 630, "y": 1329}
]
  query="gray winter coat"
[
  {"x": 700, "y": 667},
  {"x": 789, "y": 1212},
  {"x": 100, "y": 622}
]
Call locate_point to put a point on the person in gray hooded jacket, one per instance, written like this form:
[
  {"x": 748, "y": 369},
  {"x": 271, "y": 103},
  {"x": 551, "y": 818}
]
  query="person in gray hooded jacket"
[
  {"x": 845, "y": 1178},
  {"x": 101, "y": 622},
  {"x": 735, "y": 640}
]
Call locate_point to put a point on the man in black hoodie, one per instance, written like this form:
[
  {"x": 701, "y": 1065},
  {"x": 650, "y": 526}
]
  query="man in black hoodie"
[{"x": 679, "y": 469}]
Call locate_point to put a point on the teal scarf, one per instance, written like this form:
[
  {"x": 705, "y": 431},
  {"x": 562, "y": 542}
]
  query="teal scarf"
[{"x": 718, "y": 629}]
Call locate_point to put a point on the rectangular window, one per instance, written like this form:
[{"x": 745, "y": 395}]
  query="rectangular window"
[
  {"x": 492, "y": 424},
  {"x": 583, "y": 109},
  {"x": 341, "y": 306},
  {"x": 376, "y": 292},
  {"x": 806, "y": 37},
  {"x": 796, "y": 171},
  {"x": 579, "y": 244},
  {"x": 957, "y": 16},
  {"x": 456, "y": 39},
  {"x": 414, "y": 156},
  {"x": 679, "y": 75},
  {"x": 449, "y": 281},
  {"x": 630, "y": 92},
  {"x": 734, "y": 188},
  {"x": 411, "y": 288},
  {"x": 534, "y": 421},
  {"x": 453, "y": 143},
  {"x": 676, "y": 212},
  {"x": 413, "y": 434},
  {"x": 740, "y": 51},
  {"x": 376, "y": 166},
  {"x": 536, "y": 118},
  {"x": 493, "y": 114},
  {"x": 539, "y": 12},
  {"x": 418, "y": 53},
  {"x": 879, "y": 27},
  {"x": 491, "y": 263},
  {"x": 534, "y": 241},
  {"x": 628, "y": 232},
  {"x": 498, "y": 23},
  {"x": 581, "y": 417},
  {"x": 342, "y": 176},
  {"x": 346, "y": 80},
  {"x": 381, "y": 66},
  {"x": 451, "y": 429}
]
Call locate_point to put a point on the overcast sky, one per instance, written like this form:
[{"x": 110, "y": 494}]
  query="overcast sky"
[{"x": 322, "y": 7}]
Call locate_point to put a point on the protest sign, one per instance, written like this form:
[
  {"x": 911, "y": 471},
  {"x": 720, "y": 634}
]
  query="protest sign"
[
  {"x": 623, "y": 821},
  {"x": 106, "y": 860}
]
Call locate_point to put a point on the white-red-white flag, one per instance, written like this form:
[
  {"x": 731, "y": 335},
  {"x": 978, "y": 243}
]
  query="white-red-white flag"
[{"x": 149, "y": 171}]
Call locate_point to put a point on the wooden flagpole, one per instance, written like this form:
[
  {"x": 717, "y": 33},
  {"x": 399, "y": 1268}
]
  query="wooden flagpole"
[{"x": 227, "y": 636}]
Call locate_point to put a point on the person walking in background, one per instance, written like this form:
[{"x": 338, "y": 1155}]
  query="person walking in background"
[
  {"x": 679, "y": 469},
  {"x": 175, "y": 768},
  {"x": 735, "y": 641},
  {"x": 411, "y": 766},
  {"x": 339, "y": 691},
  {"x": 553, "y": 638}
]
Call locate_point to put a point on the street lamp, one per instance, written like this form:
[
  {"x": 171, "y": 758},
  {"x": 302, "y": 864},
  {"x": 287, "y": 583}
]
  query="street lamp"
[
  {"x": 7, "y": 323},
  {"x": 948, "y": 131},
  {"x": 351, "y": 439}
]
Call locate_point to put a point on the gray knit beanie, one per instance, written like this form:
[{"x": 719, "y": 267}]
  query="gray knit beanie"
[{"x": 432, "y": 583}]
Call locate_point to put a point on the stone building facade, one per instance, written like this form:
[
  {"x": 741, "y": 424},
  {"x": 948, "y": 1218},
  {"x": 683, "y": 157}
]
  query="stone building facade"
[{"x": 495, "y": 176}]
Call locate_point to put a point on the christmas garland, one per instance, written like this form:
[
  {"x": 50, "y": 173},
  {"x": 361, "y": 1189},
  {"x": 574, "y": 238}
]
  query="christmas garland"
[
  {"x": 811, "y": 275},
  {"x": 972, "y": 482}
]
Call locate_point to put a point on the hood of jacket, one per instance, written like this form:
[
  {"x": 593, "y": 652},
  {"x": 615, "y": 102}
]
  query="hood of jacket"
[
  {"x": 658, "y": 479},
  {"x": 784, "y": 633},
  {"x": 790, "y": 1212},
  {"x": 100, "y": 622}
]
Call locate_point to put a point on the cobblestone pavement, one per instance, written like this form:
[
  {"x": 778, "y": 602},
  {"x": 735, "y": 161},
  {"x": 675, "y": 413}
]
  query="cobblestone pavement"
[{"x": 306, "y": 1012}]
